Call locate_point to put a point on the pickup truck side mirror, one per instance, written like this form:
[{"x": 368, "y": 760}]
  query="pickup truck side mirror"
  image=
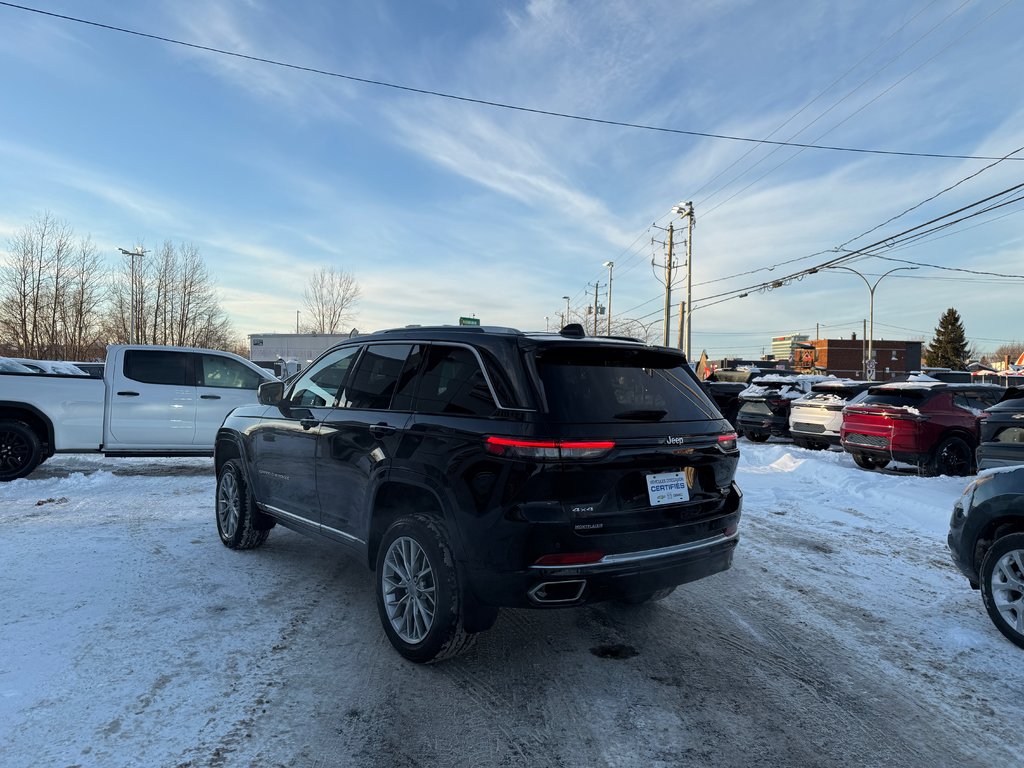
[{"x": 270, "y": 392}]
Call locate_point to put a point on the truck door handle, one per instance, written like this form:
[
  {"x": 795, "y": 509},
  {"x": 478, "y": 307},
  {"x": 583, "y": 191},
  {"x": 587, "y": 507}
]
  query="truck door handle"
[
  {"x": 129, "y": 394},
  {"x": 379, "y": 430},
  {"x": 308, "y": 423},
  {"x": 209, "y": 397}
]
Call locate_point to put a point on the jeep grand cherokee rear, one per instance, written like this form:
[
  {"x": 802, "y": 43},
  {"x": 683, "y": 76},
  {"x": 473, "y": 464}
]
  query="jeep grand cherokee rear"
[{"x": 480, "y": 468}]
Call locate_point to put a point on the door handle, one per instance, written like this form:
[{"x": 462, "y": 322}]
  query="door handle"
[
  {"x": 308, "y": 424},
  {"x": 129, "y": 394},
  {"x": 209, "y": 397},
  {"x": 379, "y": 430}
]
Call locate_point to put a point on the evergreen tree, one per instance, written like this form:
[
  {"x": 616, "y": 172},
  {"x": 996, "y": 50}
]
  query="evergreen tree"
[{"x": 949, "y": 348}]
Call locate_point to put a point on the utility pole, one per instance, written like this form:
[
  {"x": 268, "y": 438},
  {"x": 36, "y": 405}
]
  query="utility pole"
[
  {"x": 610, "y": 265},
  {"x": 134, "y": 305},
  {"x": 686, "y": 210},
  {"x": 667, "y": 318},
  {"x": 682, "y": 314},
  {"x": 597, "y": 287},
  {"x": 297, "y": 321}
]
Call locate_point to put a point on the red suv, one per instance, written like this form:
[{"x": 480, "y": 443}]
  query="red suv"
[{"x": 931, "y": 424}]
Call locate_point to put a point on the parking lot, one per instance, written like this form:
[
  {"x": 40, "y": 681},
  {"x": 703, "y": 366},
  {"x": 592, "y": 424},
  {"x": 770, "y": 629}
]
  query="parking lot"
[{"x": 842, "y": 635}]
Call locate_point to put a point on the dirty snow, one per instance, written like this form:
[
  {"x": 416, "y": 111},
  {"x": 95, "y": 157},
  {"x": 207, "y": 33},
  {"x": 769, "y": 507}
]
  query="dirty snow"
[{"x": 842, "y": 635}]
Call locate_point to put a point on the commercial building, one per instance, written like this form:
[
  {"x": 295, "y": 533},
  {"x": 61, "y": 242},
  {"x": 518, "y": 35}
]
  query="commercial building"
[
  {"x": 286, "y": 353},
  {"x": 784, "y": 346},
  {"x": 847, "y": 357}
]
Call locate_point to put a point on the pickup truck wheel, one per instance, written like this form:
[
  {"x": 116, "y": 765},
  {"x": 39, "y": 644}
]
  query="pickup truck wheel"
[
  {"x": 239, "y": 523},
  {"x": 1002, "y": 586},
  {"x": 419, "y": 598},
  {"x": 952, "y": 457},
  {"x": 20, "y": 450}
]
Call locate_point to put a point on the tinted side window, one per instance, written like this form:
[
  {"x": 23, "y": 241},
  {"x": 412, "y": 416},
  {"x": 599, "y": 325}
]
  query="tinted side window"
[
  {"x": 318, "y": 387},
  {"x": 217, "y": 371},
  {"x": 376, "y": 377},
  {"x": 405, "y": 389},
  {"x": 452, "y": 383},
  {"x": 158, "y": 366}
]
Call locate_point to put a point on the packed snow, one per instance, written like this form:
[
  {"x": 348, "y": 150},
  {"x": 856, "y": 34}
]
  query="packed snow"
[{"x": 842, "y": 634}]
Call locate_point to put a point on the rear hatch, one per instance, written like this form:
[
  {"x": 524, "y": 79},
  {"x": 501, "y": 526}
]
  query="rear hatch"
[
  {"x": 821, "y": 409},
  {"x": 874, "y": 420},
  {"x": 1004, "y": 421},
  {"x": 664, "y": 455}
]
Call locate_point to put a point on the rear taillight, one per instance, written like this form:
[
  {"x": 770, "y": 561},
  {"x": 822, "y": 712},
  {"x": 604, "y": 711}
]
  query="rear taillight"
[
  {"x": 570, "y": 558},
  {"x": 550, "y": 450},
  {"x": 727, "y": 442}
]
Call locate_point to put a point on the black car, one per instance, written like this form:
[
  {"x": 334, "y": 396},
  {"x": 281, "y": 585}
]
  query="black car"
[
  {"x": 475, "y": 468},
  {"x": 1002, "y": 432},
  {"x": 986, "y": 539},
  {"x": 724, "y": 386},
  {"x": 765, "y": 404}
]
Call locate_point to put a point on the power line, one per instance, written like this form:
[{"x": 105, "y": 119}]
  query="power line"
[{"x": 485, "y": 102}]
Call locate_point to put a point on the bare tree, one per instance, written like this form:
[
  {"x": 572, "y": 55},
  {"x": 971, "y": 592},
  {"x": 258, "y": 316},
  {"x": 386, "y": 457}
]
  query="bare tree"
[
  {"x": 1012, "y": 350},
  {"x": 329, "y": 299},
  {"x": 176, "y": 301},
  {"x": 38, "y": 283}
]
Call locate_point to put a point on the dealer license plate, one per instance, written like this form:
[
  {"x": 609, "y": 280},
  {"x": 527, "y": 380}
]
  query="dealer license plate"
[{"x": 667, "y": 488}]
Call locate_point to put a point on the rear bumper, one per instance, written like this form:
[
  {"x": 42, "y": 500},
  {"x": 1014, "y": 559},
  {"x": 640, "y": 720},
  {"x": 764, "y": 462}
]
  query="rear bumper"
[
  {"x": 776, "y": 425},
  {"x": 623, "y": 575},
  {"x": 992, "y": 455},
  {"x": 906, "y": 457},
  {"x": 830, "y": 438}
]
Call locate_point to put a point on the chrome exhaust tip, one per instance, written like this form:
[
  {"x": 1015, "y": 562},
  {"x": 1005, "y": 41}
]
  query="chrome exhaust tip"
[{"x": 554, "y": 592}]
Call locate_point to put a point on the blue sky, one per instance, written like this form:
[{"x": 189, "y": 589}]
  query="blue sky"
[{"x": 443, "y": 208}]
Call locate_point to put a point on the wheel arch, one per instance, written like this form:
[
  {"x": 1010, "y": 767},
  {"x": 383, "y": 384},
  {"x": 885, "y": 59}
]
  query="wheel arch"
[
  {"x": 397, "y": 498},
  {"x": 994, "y": 530},
  {"x": 32, "y": 417}
]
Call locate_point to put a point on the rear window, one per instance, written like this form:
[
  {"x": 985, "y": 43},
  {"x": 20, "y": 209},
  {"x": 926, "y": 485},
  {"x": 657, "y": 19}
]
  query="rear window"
[
  {"x": 602, "y": 384},
  {"x": 901, "y": 398}
]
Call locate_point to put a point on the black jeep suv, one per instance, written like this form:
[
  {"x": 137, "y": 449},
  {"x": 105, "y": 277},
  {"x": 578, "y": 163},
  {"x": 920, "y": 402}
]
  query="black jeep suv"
[{"x": 481, "y": 467}]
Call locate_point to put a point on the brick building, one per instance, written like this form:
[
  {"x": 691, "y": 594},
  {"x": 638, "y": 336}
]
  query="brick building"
[{"x": 845, "y": 357}]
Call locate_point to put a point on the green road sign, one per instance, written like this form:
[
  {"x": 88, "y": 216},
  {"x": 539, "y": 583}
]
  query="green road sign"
[{"x": 469, "y": 321}]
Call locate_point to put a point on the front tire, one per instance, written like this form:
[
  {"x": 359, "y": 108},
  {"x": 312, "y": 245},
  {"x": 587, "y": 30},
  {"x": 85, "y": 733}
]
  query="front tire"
[
  {"x": 419, "y": 597},
  {"x": 20, "y": 450},
  {"x": 1002, "y": 586},
  {"x": 239, "y": 524}
]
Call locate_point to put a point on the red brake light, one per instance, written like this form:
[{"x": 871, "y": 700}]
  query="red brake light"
[
  {"x": 570, "y": 558},
  {"x": 727, "y": 442},
  {"x": 547, "y": 449}
]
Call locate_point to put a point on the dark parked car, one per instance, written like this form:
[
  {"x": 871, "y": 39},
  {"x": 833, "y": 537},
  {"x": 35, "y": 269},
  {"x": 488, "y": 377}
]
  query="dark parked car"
[
  {"x": 928, "y": 423},
  {"x": 764, "y": 405},
  {"x": 477, "y": 467},
  {"x": 725, "y": 384},
  {"x": 986, "y": 539},
  {"x": 1002, "y": 432}
]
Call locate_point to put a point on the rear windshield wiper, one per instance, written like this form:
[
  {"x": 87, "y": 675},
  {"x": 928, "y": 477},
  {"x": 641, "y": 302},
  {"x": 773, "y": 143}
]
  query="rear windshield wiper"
[{"x": 640, "y": 415}]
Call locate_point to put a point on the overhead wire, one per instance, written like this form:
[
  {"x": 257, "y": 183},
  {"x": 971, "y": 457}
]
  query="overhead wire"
[{"x": 485, "y": 102}]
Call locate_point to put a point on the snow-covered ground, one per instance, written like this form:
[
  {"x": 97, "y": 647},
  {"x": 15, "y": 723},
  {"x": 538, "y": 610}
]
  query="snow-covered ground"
[{"x": 842, "y": 635}]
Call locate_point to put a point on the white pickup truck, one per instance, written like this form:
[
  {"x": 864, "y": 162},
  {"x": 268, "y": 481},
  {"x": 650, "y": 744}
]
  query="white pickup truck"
[{"x": 151, "y": 401}]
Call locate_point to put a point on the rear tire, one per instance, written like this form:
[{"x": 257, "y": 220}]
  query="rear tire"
[
  {"x": 869, "y": 462},
  {"x": 756, "y": 436},
  {"x": 953, "y": 457},
  {"x": 239, "y": 524},
  {"x": 419, "y": 596},
  {"x": 20, "y": 450},
  {"x": 1002, "y": 586}
]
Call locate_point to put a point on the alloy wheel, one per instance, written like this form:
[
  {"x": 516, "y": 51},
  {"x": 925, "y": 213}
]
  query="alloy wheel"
[
  {"x": 409, "y": 589},
  {"x": 1008, "y": 588},
  {"x": 229, "y": 504},
  {"x": 14, "y": 451}
]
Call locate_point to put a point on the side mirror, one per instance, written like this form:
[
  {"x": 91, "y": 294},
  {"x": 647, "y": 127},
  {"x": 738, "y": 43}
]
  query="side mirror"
[{"x": 270, "y": 392}]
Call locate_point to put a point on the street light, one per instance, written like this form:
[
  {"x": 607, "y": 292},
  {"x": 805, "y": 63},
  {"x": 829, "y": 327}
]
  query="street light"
[
  {"x": 871, "y": 312},
  {"x": 134, "y": 310},
  {"x": 565, "y": 321},
  {"x": 611, "y": 266}
]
